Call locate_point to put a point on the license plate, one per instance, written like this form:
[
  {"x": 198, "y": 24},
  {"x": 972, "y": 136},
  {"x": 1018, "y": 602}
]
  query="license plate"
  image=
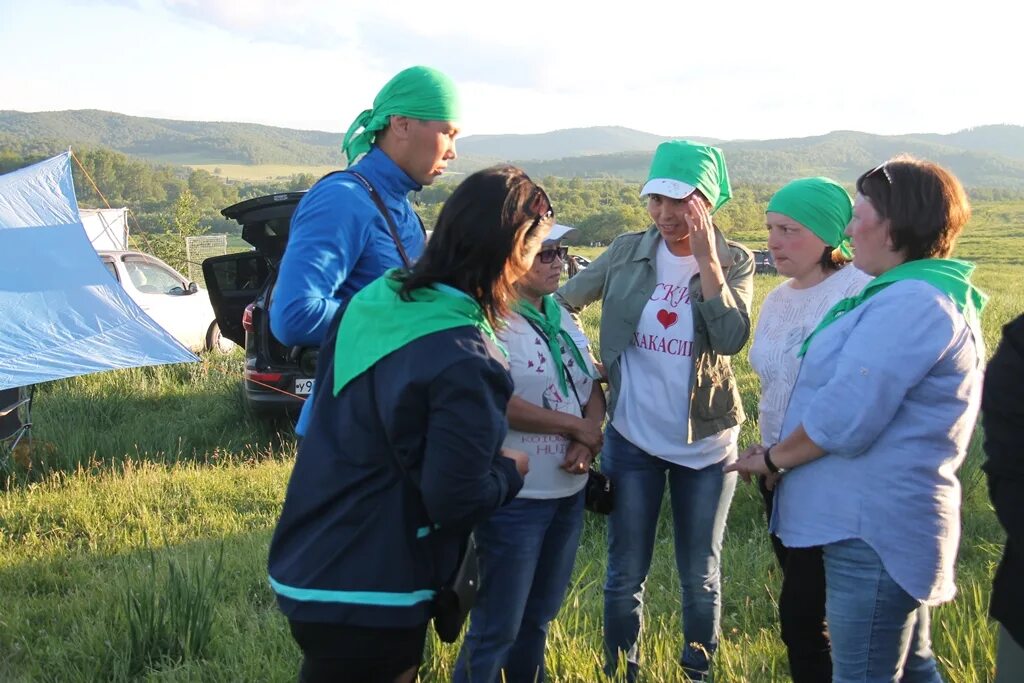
[{"x": 303, "y": 387}]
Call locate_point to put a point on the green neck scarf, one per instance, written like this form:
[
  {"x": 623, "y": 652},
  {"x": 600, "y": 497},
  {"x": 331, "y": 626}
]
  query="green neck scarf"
[
  {"x": 819, "y": 204},
  {"x": 701, "y": 166},
  {"x": 550, "y": 324},
  {"x": 418, "y": 92},
  {"x": 950, "y": 276},
  {"x": 378, "y": 321}
]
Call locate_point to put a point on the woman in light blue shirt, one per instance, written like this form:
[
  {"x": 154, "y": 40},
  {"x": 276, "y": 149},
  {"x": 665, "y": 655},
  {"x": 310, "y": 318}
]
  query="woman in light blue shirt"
[{"x": 878, "y": 423}]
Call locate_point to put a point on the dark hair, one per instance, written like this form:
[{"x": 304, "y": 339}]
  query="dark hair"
[
  {"x": 482, "y": 240},
  {"x": 832, "y": 259},
  {"x": 925, "y": 204}
]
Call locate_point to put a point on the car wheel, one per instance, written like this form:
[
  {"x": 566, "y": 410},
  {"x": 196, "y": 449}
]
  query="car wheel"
[{"x": 216, "y": 342}]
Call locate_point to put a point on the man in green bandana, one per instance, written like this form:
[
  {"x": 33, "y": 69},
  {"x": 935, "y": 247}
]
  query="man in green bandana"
[{"x": 340, "y": 239}]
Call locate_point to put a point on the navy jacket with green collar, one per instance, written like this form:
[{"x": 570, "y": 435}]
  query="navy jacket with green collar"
[{"x": 360, "y": 544}]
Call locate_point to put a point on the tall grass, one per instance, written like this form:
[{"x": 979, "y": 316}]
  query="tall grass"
[{"x": 169, "y": 615}]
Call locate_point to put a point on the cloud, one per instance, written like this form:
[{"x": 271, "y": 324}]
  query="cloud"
[
  {"x": 466, "y": 58},
  {"x": 382, "y": 42},
  {"x": 298, "y": 22}
]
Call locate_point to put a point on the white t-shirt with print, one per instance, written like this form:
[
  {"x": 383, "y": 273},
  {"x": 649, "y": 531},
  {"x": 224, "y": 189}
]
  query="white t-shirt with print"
[
  {"x": 536, "y": 381},
  {"x": 653, "y": 406},
  {"x": 787, "y": 316}
]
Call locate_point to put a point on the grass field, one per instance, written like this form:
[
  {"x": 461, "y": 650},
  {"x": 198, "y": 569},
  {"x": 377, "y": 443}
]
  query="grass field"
[
  {"x": 133, "y": 538},
  {"x": 258, "y": 172}
]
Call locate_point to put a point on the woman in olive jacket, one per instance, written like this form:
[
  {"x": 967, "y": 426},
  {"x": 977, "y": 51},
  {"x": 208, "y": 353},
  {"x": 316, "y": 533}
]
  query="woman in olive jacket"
[{"x": 676, "y": 305}]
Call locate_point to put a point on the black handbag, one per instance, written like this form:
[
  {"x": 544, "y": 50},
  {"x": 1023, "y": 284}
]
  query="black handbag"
[
  {"x": 454, "y": 600},
  {"x": 599, "y": 495}
]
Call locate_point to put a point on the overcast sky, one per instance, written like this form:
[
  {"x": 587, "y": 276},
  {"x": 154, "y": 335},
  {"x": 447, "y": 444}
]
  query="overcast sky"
[{"x": 731, "y": 69}]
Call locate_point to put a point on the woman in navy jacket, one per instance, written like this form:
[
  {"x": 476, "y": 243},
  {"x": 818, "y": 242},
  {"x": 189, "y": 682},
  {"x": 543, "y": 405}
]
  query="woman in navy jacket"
[{"x": 403, "y": 454}]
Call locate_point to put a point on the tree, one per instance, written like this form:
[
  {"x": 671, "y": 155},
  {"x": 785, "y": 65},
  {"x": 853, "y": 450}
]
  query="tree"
[
  {"x": 604, "y": 226},
  {"x": 181, "y": 223}
]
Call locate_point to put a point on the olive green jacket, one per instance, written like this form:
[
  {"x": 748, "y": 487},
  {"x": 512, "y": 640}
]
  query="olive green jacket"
[{"x": 624, "y": 277}]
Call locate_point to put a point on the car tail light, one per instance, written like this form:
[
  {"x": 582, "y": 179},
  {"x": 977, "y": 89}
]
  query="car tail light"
[
  {"x": 267, "y": 377},
  {"x": 247, "y": 318}
]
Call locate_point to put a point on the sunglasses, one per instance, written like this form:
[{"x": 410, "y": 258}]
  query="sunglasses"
[
  {"x": 548, "y": 255},
  {"x": 540, "y": 206},
  {"x": 883, "y": 169}
]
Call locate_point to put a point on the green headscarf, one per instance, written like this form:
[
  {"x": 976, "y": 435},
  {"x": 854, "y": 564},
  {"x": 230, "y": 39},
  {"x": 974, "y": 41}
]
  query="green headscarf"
[
  {"x": 696, "y": 165},
  {"x": 819, "y": 204},
  {"x": 378, "y": 322},
  {"x": 550, "y": 324},
  {"x": 418, "y": 92},
  {"x": 950, "y": 276}
]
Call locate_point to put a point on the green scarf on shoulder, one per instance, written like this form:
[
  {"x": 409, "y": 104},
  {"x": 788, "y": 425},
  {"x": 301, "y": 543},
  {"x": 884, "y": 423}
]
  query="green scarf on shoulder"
[
  {"x": 378, "y": 322},
  {"x": 550, "y": 324},
  {"x": 950, "y": 276}
]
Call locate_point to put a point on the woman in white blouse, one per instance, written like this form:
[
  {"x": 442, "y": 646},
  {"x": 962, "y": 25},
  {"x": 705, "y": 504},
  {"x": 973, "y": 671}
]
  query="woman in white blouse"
[
  {"x": 805, "y": 221},
  {"x": 527, "y": 549}
]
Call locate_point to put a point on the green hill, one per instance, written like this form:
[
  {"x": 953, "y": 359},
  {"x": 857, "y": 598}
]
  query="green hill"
[
  {"x": 842, "y": 155},
  {"x": 177, "y": 142},
  {"x": 572, "y": 142},
  {"x": 985, "y": 156}
]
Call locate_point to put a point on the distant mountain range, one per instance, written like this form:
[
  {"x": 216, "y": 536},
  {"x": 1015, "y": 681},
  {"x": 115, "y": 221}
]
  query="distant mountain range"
[{"x": 986, "y": 156}]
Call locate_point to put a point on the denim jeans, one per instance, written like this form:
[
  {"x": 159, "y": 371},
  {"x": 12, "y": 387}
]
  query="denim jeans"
[
  {"x": 526, "y": 551},
  {"x": 700, "y": 503},
  {"x": 879, "y": 632}
]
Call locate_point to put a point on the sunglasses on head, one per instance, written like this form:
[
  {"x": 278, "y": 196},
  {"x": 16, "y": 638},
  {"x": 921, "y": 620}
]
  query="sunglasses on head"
[
  {"x": 548, "y": 255},
  {"x": 540, "y": 206},
  {"x": 884, "y": 171}
]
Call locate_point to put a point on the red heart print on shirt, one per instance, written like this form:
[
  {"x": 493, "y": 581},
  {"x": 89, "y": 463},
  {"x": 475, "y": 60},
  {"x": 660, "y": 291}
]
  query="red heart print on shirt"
[{"x": 667, "y": 318}]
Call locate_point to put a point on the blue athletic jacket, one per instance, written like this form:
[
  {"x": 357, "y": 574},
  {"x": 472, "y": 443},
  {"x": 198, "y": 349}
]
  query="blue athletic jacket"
[{"x": 338, "y": 243}]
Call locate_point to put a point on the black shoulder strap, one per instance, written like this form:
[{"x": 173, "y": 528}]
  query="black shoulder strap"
[{"x": 375, "y": 196}]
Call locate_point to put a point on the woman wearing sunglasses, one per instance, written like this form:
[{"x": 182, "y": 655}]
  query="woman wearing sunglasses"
[
  {"x": 676, "y": 302},
  {"x": 527, "y": 548},
  {"x": 805, "y": 220},
  {"x": 878, "y": 423},
  {"x": 403, "y": 454}
]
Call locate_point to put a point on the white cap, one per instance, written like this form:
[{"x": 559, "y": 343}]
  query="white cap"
[
  {"x": 667, "y": 187},
  {"x": 559, "y": 231}
]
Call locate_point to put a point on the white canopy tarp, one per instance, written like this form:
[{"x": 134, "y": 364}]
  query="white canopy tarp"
[
  {"x": 106, "y": 228},
  {"x": 61, "y": 313}
]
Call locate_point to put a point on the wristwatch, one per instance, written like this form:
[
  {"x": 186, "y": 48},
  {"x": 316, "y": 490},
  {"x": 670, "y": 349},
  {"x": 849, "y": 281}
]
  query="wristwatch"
[{"x": 769, "y": 464}]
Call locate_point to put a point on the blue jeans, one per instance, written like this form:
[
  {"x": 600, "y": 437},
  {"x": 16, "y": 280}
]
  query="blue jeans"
[
  {"x": 700, "y": 503},
  {"x": 880, "y": 634},
  {"x": 526, "y": 551}
]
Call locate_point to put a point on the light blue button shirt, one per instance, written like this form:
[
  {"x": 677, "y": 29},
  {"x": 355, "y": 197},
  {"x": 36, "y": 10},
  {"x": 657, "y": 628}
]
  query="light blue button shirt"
[{"x": 891, "y": 392}]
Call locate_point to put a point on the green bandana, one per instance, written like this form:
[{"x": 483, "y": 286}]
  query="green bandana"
[
  {"x": 418, "y": 92},
  {"x": 550, "y": 324},
  {"x": 819, "y": 204},
  {"x": 950, "y": 276},
  {"x": 700, "y": 166},
  {"x": 378, "y": 321}
]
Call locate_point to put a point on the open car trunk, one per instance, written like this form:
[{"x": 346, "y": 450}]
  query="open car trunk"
[{"x": 236, "y": 280}]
